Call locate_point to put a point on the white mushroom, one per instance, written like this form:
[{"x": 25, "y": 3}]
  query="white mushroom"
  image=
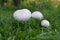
[
  {"x": 45, "y": 23},
  {"x": 22, "y": 15},
  {"x": 37, "y": 15}
]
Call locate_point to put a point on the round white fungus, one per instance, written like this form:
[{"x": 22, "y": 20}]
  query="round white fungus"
[
  {"x": 22, "y": 15},
  {"x": 37, "y": 15},
  {"x": 45, "y": 23}
]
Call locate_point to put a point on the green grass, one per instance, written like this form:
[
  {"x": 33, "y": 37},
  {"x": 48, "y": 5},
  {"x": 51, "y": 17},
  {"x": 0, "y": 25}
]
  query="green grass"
[{"x": 11, "y": 29}]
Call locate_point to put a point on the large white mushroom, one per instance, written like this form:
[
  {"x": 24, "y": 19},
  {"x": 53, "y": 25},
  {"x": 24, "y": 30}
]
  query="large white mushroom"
[
  {"x": 22, "y": 15},
  {"x": 37, "y": 15}
]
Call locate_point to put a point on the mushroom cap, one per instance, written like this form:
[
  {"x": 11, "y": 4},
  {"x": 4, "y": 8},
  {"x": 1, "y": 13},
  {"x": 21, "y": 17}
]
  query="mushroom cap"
[
  {"x": 45, "y": 23},
  {"x": 22, "y": 15},
  {"x": 37, "y": 15}
]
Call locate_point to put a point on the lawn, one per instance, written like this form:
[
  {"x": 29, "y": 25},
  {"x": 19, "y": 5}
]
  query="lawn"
[{"x": 10, "y": 29}]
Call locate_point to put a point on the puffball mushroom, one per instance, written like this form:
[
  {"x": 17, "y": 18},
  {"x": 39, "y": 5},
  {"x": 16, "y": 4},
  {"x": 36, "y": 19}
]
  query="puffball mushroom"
[
  {"x": 22, "y": 15},
  {"x": 45, "y": 23},
  {"x": 37, "y": 15}
]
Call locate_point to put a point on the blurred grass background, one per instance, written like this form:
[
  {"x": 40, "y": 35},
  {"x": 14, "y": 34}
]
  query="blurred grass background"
[{"x": 11, "y": 29}]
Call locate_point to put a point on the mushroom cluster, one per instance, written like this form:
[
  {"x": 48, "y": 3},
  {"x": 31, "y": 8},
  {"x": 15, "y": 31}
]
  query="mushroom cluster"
[
  {"x": 39, "y": 16},
  {"x": 25, "y": 14}
]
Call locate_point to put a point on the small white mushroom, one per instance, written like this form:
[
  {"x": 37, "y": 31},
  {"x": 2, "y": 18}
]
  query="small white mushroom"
[
  {"x": 45, "y": 23},
  {"x": 22, "y": 15},
  {"x": 37, "y": 15}
]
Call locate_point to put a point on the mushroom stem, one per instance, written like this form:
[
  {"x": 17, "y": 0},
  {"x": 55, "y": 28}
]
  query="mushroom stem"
[
  {"x": 49, "y": 28},
  {"x": 22, "y": 26},
  {"x": 42, "y": 30},
  {"x": 18, "y": 24}
]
